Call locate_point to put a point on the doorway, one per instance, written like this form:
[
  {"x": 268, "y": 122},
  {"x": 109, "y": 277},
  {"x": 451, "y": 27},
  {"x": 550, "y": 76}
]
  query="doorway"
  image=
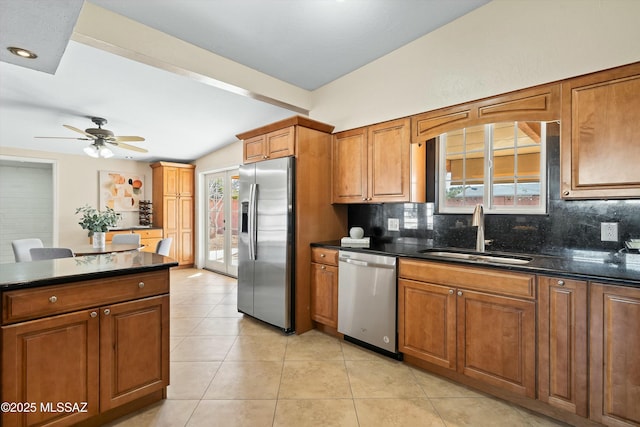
[
  {"x": 27, "y": 202},
  {"x": 221, "y": 195}
]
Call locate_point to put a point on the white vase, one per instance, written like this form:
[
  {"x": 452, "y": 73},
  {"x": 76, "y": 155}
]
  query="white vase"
[
  {"x": 99, "y": 238},
  {"x": 356, "y": 232}
]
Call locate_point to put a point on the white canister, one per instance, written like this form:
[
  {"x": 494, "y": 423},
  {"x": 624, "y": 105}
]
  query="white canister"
[{"x": 356, "y": 232}]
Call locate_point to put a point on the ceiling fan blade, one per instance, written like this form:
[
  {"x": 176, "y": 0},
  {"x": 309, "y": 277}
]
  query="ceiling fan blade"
[
  {"x": 80, "y": 131},
  {"x": 63, "y": 137},
  {"x": 127, "y": 138},
  {"x": 129, "y": 147}
]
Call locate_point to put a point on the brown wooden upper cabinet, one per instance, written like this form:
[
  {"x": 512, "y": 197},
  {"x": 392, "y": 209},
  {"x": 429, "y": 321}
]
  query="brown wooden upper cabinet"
[
  {"x": 273, "y": 145},
  {"x": 540, "y": 103},
  {"x": 378, "y": 163},
  {"x": 601, "y": 135},
  {"x": 277, "y": 139}
]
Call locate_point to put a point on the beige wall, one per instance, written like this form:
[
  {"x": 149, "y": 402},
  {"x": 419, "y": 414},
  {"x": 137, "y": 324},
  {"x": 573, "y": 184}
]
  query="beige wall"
[
  {"x": 77, "y": 185},
  {"x": 226, "y": 157},
  {"x": 502, "y": 46}
]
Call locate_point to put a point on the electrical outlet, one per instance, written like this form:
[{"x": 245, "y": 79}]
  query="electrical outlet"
[
  {"x": 393, "y": 224},
  {"x": 609, "y": 231}
]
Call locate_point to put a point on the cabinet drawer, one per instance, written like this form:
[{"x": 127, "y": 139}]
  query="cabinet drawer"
[
  {"x": 497, "y": 281},
  {"x": 324, "y": 256},
  {"x": 32, "y": 303},
  {"x": 155, "y": 233}
]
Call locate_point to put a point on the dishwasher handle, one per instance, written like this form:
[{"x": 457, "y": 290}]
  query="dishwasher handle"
[{"x": 366, "y": 263}]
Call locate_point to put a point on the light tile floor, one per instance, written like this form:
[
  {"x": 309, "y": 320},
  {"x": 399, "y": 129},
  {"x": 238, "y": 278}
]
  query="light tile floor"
[{"x": 230, "y": 370}]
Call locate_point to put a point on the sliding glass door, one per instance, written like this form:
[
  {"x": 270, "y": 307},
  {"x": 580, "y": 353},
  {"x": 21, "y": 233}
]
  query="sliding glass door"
[{"x": 222, "y": 221}]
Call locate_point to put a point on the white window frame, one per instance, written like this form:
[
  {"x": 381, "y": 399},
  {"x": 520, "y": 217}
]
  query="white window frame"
[{"x": 487, "y": 197}]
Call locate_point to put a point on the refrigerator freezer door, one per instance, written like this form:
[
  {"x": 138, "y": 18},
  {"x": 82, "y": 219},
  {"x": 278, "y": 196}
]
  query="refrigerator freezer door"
[
  {"x": 245, "y": 263},
  {"x": 273, "y": 266}
]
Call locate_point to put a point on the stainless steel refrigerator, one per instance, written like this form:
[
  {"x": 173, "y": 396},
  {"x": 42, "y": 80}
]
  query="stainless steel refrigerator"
[{"x": 266, "y": 242}]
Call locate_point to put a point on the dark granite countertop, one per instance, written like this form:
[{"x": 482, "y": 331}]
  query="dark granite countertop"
[
  {"x": 65, "y": 270},
  {"x": 605, "y": 267}
]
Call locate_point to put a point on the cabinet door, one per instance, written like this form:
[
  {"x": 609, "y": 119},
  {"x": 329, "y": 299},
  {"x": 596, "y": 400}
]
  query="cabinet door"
[
  {"x": 171, "y": 181},
  {"x": 496, "y": 341},
  {"x": 185, "y": 232},
  {"x": 350, "y": 166},
  {"x": 614, "y": 367},
  {"x": 427, "y": 322},
  {"x": 324, "y": 294},
  {"x": 389, "y": 156},
  {"x": 562, "y": 344},
  {"x": 601, "y": 135},
  {"x": 185, "y": 182},
  {"x": 134, "y": 350},
  {"x": 281, "y": 143},
  {"x": 171, "y": 211},
  {"x": 254, "y": 149},
  {"x": 49, "y": 361}
]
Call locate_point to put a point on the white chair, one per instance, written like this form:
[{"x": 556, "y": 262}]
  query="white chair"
[
  {"x": 164, "y": 246},
  {"x": 126, "y": 239},
  {"x": 38, "y": 254},
  {"x": 21, "y": 248}
]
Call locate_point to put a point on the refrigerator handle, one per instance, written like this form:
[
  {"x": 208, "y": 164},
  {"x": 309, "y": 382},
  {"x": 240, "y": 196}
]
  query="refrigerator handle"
[{"x": 253, "y": 210}]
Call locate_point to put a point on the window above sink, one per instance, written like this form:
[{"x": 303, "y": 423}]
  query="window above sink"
[{"x": 500, "y": 165}]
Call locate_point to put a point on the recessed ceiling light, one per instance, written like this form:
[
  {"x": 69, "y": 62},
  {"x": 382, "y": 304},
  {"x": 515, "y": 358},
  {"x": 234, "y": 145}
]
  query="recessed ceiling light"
[{"x": 23, "y": 53}]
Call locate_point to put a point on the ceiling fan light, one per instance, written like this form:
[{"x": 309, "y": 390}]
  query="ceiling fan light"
[
  {"x": 92, "y": 151},
  {"x": 106, "y": 153}
]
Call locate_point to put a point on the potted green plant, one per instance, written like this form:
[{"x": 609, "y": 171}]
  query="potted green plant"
[{"x": 97, "y": 223}]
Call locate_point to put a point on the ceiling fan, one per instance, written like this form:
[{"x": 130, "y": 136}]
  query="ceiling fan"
[{"x": 101, "y": 137}]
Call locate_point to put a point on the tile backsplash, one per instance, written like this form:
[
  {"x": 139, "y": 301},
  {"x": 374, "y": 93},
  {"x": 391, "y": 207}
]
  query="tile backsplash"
[{"x": 569, "y": 224}]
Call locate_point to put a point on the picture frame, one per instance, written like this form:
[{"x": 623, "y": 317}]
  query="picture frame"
[{"x": 121, "y": 191}]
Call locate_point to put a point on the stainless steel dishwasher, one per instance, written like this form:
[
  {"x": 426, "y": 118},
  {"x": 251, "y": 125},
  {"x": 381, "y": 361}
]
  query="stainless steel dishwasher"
[{"x": 367, "y": 301}]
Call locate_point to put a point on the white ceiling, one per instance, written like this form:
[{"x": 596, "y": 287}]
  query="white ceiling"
[{"x": 307, "y": 43}]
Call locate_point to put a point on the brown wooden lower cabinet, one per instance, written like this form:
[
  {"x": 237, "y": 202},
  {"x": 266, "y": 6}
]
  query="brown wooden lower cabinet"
[
  {"x": 51, "y": 360},
  {"x": 482, "y": 335},
  {"x": 324, "y": 286},
  {"x": 562, "y": 344},
  {"x": 134, "y": 349},
  {"x": 614, "y": 365},
  {"x": 496, "y": 340},
  {"x": 427, "y": 322},
  {"x": 99, "y": 357}
]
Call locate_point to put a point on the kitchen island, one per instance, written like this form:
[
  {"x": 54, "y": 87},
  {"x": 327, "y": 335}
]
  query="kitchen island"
[{"x": 84, "y": 340}]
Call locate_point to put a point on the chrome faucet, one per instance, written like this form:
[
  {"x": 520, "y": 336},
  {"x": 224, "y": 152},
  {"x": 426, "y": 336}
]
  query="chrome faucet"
[{"x": 478, "y": 221}]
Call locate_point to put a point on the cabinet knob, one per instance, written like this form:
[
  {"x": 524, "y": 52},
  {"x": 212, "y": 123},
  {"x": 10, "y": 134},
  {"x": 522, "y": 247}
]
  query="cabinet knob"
[
  {"x": 265, "y": 157},
  {"x": 322, "y": 255},
  {"x": 53, "y": 299},
  {"x": 450, "y": 291},
  {"x": 364, "y": 198},
  {"x": 323, "y": 267},
  {"x": 565, "y": 193},
  {"x": 107, "y": 312},
  {"x": 93, "y": 314},
  {"x": 459, "y": 293},
  {"x": 560, "y": 282},
  {"x": 141, "y": 285}
]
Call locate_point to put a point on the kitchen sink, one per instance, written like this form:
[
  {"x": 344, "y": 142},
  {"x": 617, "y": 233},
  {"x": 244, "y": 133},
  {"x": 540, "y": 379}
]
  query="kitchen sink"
[{"x": 478, "y": 257}]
